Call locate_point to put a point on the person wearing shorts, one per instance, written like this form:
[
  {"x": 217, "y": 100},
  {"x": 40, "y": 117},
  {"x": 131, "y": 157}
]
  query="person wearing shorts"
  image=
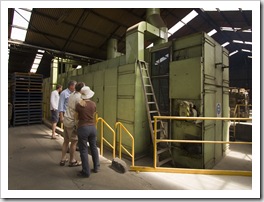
[
  {"x": 70, "y": 133},
  {"x": 54, "y": 103}
]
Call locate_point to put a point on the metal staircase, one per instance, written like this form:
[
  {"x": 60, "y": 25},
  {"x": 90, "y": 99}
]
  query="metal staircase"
[{"x": 164, "y": 154}]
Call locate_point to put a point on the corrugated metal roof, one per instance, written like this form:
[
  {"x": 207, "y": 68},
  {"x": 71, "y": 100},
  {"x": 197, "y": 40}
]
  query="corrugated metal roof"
[{"x": 86, "y": 31}]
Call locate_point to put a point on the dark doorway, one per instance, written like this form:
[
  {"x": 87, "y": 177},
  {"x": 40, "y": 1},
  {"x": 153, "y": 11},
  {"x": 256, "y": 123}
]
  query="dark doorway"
[{"x": 159, "y": 71}]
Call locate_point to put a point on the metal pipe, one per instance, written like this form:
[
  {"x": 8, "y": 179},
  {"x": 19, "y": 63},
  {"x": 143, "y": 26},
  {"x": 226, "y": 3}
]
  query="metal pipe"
[
  {"x": 201, "y": 141},
  {"x": 153, "y": 17},
  {"x": 111, "y": 48},
  {"x": 191, "y": 171},
  {"x": 155, "y": 143},
  {"x": 53, "y": 50},
  {"x": 202, "y": 118}
]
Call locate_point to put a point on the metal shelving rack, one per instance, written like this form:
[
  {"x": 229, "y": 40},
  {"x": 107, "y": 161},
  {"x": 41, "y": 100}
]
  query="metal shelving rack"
[{"x": 27, "y": 98}]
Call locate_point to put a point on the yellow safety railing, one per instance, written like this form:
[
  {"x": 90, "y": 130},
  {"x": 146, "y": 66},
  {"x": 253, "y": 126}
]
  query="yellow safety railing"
[
  {"x": 132, "y": 154},
  {"x": 237, "y": 114},
  {"x": 102, "y": 139},
  {"x": 203, "y": 171}
]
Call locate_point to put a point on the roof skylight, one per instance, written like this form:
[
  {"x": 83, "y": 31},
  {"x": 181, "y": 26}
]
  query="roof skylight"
[
  {"x": 20, "y": 24},
  {"x": 248, "y": 42},
  {"x": 245, "y": 50},
  {"x": 212, "y": 32},
  {"x": 233, "y": 53},
  {"x": 189, "y": 17},
  {"x": 225, "y": 44},
  {"x": 182, "y": 22},
  {"x": 37, "y": 61},
  {"x": 237, "y": 41},
  {"x": 220, "y": 9}
]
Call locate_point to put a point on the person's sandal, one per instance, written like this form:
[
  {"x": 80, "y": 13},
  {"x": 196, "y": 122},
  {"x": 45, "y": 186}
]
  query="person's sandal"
[
  {"x": 62, "y": 162},
  {"x": 75, "y": 163}
]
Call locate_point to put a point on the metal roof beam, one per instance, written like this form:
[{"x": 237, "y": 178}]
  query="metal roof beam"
[
  {"x": 212, "y": 23},
  {"x": 245, "y": 17},
  {"x": 58, "y": 37},
  {"x": 76, "y": 29},
  {"x": 108, "y": 19},
  {"x": 61, "y": 53},
  {"x": 67, "y": 23},
  {"x": 231, "y": 24}
]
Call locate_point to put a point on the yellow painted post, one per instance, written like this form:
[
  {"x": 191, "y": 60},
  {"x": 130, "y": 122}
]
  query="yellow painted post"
[
  {"x": 155, "y": 142},
  {"x": 120, "y": 142},
  {"x": 114, "y": 146},
  {"x": 102, "y": 143},
  {"x": 96, "y": 120},
  {"x": 133, "y": 152}
]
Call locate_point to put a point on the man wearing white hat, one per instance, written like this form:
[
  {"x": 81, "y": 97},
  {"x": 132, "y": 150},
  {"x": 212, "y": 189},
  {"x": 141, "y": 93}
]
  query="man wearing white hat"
[{"x": 87, "y": 131}]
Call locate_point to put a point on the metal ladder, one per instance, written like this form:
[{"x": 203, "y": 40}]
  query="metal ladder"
[{"x": 153, "y": 110}]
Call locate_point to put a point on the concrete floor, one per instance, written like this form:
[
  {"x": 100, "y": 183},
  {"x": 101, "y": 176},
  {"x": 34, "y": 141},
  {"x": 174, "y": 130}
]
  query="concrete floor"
[{"x": 33, "y": 164}]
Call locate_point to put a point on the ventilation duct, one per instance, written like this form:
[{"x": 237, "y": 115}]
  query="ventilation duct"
[
  {"x": 153, "y": 17},
  {"x": 112, "y": 48},
  {"x": 155, "y": 31}
]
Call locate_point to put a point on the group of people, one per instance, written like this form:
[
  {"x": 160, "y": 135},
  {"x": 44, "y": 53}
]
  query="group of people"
[{"x": 76, "y": 111}]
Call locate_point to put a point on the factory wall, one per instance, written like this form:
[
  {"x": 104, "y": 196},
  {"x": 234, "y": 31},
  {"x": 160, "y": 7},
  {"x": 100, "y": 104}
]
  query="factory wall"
[{"x": 118, "y": 96}]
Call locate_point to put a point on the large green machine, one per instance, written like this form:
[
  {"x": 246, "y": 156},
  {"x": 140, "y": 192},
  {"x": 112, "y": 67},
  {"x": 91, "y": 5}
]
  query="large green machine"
[{"x": 192, "y": 69}]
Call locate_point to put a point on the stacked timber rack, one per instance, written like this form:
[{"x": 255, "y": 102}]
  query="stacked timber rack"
[{"x": 27, "y": 98}]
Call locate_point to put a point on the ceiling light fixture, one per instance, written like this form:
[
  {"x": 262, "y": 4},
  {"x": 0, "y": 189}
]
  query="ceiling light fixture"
[
  {"x": 247, "y": 30},
  {"x": 230, "y": 29}
]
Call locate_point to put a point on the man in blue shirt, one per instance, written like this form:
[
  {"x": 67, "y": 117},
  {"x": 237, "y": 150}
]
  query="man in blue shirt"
[
  {"x": 70, "y": 130},
  {"x": 64, "y": 96}
]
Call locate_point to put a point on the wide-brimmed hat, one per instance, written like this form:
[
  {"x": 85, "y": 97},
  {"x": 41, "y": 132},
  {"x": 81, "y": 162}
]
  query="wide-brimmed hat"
[{"x": 86, "y": 92}]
